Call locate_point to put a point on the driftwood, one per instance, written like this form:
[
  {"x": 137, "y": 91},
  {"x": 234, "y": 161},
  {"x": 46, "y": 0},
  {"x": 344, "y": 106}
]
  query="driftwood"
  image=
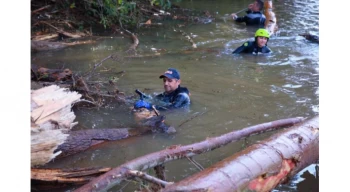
[
  {"x": 188, "y": 38},
  {"x": 117, "y": 174},
  {"x": 77, "y": 176},
  {"x": 46, "y": 74},
  {"x": 40, "y": 9},
  {"x": 51, "y": 117},
  {"x": 271, "y": 20},
  {"x": 262, "y": 166},
  {"x": 48, "y": 179},
  {"x": 48, "y": 45},
  {"x": 50, "y": 36}
]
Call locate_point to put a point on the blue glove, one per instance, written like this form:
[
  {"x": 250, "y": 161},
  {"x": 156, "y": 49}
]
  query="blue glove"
[{"x": 142, "y": 103}]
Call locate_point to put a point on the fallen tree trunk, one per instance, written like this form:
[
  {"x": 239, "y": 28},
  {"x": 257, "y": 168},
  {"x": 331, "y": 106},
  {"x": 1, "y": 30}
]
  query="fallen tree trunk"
[
  {"x": 51, "y": 118},
  {"x": 48, "y": 179},
  {"x": 81, "y": 140},
  {"x": 76, "y": 176},
  {"x": 119, "y": 173},
  {"x": 262, "y": 166}
]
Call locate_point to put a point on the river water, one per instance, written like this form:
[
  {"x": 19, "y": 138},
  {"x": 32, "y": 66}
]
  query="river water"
[{"x": 227, "y": 92}]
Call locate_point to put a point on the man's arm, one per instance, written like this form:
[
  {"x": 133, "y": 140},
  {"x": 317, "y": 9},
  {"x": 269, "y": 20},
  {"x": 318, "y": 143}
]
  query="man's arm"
[{"x": 239, "y": 19}]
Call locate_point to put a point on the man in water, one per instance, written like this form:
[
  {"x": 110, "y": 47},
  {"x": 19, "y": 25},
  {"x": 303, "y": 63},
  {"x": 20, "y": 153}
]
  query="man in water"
[
  {"x": 258, "y": 46},
  {"x": 254, "y": 16},
  {"x": 174, "y": 96}
]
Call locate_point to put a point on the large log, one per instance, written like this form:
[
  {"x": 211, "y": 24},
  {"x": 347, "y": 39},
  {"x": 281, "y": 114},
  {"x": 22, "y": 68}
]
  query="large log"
[
  {"x": 151, "y": 160},
  {"x": 262, "y": 166},
  {"x": 81, "y": 140},
  {"x": 49, "y": 179}
]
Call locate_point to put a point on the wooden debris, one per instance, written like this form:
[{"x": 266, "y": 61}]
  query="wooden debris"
[
  {"x": 51, "y": 118},
  {"x": 151, "y": 160},
  {"x": 262, "y": 166}
]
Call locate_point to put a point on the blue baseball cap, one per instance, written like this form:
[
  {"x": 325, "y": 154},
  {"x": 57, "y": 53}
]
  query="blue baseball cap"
[{"x": 171, "y": 73}]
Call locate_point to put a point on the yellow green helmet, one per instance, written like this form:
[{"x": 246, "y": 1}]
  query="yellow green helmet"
[{"x": 262, "y": 33}]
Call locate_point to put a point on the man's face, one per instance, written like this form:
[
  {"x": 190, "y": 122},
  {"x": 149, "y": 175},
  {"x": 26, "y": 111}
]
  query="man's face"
[
  {"x": 255, "y": 6},
  {"x": 261, "y": 41},
  {"x": 170, "y": 85}
]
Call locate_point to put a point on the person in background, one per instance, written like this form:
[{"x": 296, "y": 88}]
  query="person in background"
[
  {"x": 254, "y": 16},
  {"x": 174, "y": 95},
  {"x": 259, "y": 45}
]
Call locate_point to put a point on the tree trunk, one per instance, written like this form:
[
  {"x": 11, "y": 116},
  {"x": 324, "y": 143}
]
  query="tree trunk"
[
  {"x": 261, "y": 166},
  {"x": 48, "y": 179},
  {"x": 81, "y": 140},
  {"x": 119, "y": 173},
  {"x": 271, "y": 20}
]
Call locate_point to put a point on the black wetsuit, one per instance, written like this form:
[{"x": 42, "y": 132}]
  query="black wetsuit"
[
  {"x": 253, "y": 19},
  {"x": 251, "y": 47},
  {"x": 176, "y": 99}
]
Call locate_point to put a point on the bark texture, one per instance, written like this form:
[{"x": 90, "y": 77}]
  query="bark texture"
[{"x": 261, "y": 166}]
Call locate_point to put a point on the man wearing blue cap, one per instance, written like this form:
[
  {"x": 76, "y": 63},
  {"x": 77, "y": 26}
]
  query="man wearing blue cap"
[{"x": 174, "y": 96}]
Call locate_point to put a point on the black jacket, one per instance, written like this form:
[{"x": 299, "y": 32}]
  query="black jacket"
[
  {"x": 176, "y": 99},
  {"x": 251, "y": 47},
  {"x": 253, "y": 19}
]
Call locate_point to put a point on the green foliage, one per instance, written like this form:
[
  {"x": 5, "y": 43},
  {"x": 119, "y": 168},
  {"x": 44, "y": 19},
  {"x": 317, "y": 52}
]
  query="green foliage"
[
  {"x": 112, "y": 12},
  {"x": 165, "y": 4}
]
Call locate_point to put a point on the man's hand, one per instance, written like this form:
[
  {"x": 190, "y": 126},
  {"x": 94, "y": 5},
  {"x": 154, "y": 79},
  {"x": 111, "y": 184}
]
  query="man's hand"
[
  {"x": 142, "y": 104},
  {"x": 234, "y": 16}
]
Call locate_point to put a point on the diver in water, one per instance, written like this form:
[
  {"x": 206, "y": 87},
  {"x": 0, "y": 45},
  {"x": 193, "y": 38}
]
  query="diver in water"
[
  {"x": 258, "y": 46},
  {"x": 174, "y": 96},
  {"x": 254, "y": 16}
]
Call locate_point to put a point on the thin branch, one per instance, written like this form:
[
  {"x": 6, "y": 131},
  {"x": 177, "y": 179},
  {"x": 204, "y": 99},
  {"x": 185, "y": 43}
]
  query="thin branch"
[
  {"x": 196, "y": 164},
  {"x": 42, "y": 8},
  {"x": 148, "y": 178},
  {"x": 192, "y": 117}
]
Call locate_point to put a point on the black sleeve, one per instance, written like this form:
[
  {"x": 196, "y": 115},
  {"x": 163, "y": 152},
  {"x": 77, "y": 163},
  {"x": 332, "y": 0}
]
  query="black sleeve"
[
  {"x": 241, "y": 19},
  {"x": 181, "y": 100},
  {"x": 240, "y": 49}
]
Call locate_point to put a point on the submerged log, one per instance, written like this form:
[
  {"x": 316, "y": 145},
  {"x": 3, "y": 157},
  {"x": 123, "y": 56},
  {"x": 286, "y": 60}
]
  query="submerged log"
[
  {"x": 310, "y": 37},
  {"x": 81, "y": 140},
  {"x": 151, "y": 160},
  {"x": 271, "y": 20},
  {"x": 262, "y": 166}
]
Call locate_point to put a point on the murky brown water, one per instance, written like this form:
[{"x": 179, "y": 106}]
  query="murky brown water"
[{"x": 233, "y": 91}]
